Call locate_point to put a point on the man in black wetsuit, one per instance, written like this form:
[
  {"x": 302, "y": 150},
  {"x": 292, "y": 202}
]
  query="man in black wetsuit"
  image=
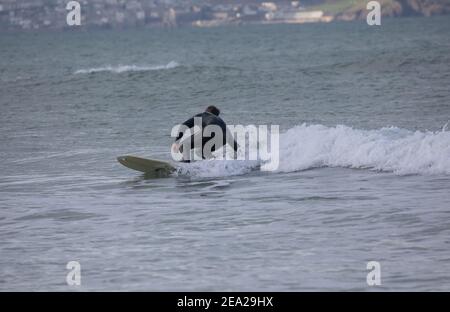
[{"x": 210, "y": 117}]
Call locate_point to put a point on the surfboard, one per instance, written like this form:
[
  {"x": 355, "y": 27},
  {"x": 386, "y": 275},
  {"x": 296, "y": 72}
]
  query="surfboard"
[{"x": 151, "y": 167}]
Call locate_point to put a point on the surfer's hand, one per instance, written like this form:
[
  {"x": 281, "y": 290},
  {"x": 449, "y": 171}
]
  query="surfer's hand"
[{"x": 175, "y": 147}]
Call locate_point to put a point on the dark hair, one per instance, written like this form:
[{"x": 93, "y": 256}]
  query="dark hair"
[{"x": 213, "y": 110}]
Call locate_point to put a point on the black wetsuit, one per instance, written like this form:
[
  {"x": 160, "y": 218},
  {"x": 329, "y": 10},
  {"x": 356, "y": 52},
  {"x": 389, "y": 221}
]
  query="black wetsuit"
[{"x": 209, "y": 119}]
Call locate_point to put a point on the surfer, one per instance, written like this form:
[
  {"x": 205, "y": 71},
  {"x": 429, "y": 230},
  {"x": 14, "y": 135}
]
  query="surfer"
[{"x": 210, "y": 117}]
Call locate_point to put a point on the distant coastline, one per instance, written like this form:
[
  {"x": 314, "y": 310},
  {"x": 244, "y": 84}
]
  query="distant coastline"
[{"x": 40, "y": 14}]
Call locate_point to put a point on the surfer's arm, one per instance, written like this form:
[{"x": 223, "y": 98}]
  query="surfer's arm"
[{"x": 189, "y": 124}]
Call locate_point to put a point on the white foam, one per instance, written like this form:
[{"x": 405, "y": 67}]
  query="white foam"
[
  {"x": 216, "y": 168},
  {"x": 388, "y": 149},
  {"x": 127, "y": 68}
]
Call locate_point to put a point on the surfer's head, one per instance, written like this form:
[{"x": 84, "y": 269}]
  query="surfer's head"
[{"x": 213, "y": 110}]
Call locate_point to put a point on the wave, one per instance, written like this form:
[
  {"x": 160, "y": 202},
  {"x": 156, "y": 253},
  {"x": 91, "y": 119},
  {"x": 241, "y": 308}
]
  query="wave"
[
  {"x": 304, "y": 147},
  {"x": 126, "y": 68},
  {"x": 389, "y": 149}
]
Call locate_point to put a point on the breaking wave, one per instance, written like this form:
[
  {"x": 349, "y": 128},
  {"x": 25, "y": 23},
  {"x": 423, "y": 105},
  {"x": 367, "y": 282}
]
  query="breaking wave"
[{"x": 388, "y": 149}]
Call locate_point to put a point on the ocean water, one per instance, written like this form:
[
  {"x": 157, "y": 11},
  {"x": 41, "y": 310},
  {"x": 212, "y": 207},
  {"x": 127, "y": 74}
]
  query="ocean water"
[{"x": 364, "y": 169}]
